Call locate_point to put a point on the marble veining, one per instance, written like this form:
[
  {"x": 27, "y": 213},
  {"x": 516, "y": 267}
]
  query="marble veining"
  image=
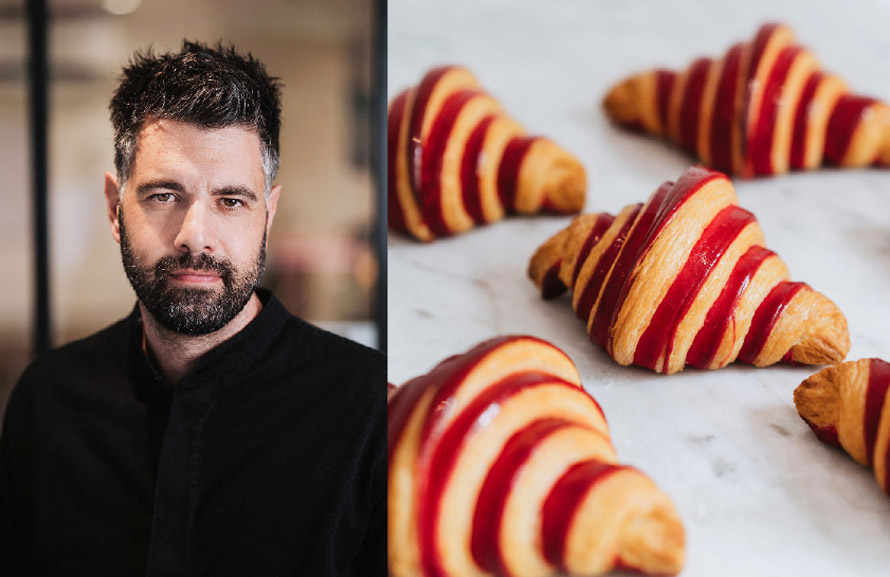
[{"x": 758, "y": 493}]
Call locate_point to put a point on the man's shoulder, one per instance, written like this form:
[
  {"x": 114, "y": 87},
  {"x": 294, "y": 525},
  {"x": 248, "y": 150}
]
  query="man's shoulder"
[
  {"x": 328, "y": 369},
  {"x": 92, "y": 354},
  {"x": 330, "y": 349}
]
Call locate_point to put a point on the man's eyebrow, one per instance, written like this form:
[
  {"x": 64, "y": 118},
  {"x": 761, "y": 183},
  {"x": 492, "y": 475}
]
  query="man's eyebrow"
[
  {"x": 147, "y": 187},
  {"x": 236, "y": 191}
]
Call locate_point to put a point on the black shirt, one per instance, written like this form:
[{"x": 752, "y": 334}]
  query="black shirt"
[{"x": 269, "y": 459}]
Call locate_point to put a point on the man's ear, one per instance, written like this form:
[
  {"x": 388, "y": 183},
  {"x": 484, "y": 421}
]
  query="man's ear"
[
  {"x": 272, "y": 206},
  {"x": 112, "y": 201}
]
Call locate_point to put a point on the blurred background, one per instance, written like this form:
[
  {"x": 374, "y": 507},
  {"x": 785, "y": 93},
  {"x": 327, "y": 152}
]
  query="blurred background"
[{"x": 322, "y": 261}]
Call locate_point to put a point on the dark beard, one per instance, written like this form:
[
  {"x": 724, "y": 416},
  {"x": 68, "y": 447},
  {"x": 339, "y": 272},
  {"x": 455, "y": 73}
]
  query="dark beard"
[{"x": 186, "y": 310}]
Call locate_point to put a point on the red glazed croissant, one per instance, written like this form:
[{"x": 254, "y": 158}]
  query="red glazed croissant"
[
  {"x": 763, "y": 108},
  {"x": 846, "y": 405},
  {"x": 500, "y": 463},
  {"x": 685, "y": 279},
  {"x": 456, "y": 160}
]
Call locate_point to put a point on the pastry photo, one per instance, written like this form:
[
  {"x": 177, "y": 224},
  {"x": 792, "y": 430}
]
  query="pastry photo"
[{"x": 731, "y": 244}]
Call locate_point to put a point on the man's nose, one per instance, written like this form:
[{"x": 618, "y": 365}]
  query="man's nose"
[{"x": 195, "y": 234}]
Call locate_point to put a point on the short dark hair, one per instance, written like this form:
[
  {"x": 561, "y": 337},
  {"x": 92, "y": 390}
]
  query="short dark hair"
[{"x": 210, "y": 86}]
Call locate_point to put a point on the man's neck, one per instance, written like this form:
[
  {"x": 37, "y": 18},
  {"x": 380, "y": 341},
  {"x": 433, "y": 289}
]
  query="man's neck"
[{"x": 175, "y": 355}]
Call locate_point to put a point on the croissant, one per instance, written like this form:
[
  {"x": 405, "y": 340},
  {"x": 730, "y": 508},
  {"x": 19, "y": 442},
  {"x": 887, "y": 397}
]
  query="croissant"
[
  {"x": 845, "y": 405},
  {"x": 763, "y": 108},
  {"x": 456, "y": 160},
  {"x": 500, "y": 463},
  {"x": 685, "y": 279}
]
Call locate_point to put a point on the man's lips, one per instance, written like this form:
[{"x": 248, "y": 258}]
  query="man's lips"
[{"x": 195, "y": 276}]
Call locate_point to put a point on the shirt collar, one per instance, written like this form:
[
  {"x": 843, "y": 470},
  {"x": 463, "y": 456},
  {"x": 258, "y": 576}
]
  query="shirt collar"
[{"x": 229, "y": 358}]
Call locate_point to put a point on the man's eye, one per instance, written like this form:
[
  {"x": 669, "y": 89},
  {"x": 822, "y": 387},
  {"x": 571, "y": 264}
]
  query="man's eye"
[
  {"x": 163, "y": 197},
  {"x": 232, "y": 202}
]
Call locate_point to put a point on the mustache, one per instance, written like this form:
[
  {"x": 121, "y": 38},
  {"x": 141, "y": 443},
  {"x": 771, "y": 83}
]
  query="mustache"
[{"x": 201, "y": 261}]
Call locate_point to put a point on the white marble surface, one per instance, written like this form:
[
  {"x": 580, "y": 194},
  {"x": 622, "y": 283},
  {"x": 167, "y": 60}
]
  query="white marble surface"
[{"x": 759, "y": 495}]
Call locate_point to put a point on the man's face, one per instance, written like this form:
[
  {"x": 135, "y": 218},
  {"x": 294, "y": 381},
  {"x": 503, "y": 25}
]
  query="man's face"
[{"x": 192, "y": 223}]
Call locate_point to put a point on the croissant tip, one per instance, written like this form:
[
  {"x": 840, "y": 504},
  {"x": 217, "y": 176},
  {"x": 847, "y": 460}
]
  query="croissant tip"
[
  {"x": 567, "y": 195},
  {"x": 653, "y": 540},
  {"x": 816, "y": 400},
  {"x": 826, "y": 343},
  {"x": 623, "y": 101},
  {"x": 615, "y": 98},
  {"x": 543, "y": 267}
]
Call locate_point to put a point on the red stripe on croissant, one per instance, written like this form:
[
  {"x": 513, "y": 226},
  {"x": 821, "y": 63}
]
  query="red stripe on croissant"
[
  {"x": 764, "y": 108},
  {"x": 685, "y": 279},
  {"x": 455, "y": 160},
  {"x": 847, "y": 405},
  {"x": 500, "y": 463}
]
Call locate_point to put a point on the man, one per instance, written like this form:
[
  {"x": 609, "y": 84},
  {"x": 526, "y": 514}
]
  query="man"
[{"x": 210, "y": 432}]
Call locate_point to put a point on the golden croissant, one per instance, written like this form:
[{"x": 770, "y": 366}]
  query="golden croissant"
[
  {"x": 685, "y": 279},
  {"x": 455, "y": 160},
  {"x": 763, "y": 108},
  {"x": 845, "y": 405},
  {"x": 501, "y": 464}
]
